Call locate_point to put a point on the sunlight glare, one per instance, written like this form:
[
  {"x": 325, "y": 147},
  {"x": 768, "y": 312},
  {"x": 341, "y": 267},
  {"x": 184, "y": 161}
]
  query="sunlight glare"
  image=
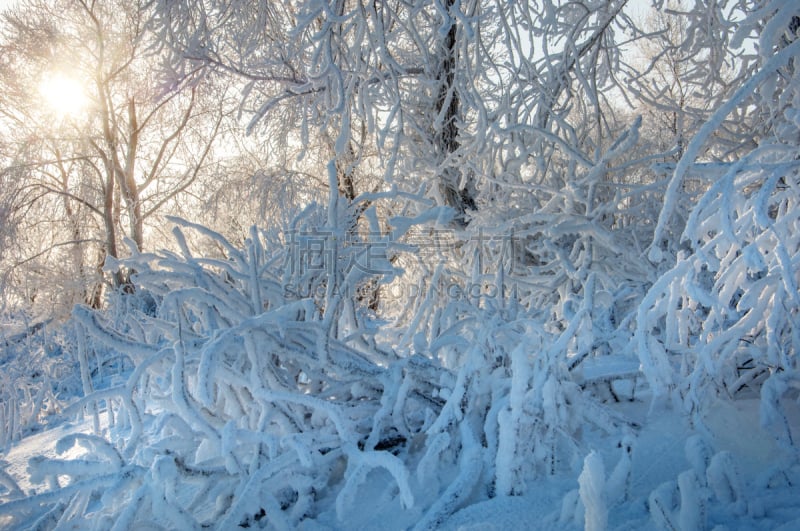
[{"x": 63, "y": 95}]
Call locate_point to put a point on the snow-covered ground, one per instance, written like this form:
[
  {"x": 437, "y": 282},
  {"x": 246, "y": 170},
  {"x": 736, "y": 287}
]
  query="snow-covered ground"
[
  {"x": 759, "y": 477},
  {"x": 42, "y": 444}
]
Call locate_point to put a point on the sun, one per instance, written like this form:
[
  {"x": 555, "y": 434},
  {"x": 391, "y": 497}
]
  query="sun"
[{"x": 63, "y": 95}]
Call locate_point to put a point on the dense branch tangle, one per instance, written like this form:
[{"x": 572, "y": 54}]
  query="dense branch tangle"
[{"x": 424, "y": 80}]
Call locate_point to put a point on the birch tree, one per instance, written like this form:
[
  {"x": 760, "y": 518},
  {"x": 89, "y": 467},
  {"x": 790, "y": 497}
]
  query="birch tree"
[{"x": 125, "y": 155}]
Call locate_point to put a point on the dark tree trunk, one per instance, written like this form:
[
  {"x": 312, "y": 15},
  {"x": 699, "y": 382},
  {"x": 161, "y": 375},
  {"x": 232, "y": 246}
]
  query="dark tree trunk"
[{"x": 448, "y": 105}]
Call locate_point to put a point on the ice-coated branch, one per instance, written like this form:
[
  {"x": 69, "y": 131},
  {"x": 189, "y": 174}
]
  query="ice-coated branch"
[{"x": 747, "y": 89}]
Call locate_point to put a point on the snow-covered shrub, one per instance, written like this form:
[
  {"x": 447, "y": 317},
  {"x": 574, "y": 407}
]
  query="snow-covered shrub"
[
  {"x": 37, "y": 377},
  {"x": 554, "y": 289},
  {"x": 726, "y": 315},
  {"x": 512, "y": 311},
  {"x": 593, "y": 493},
  {"x": 724, "y": 319},
  {"x": 662, "y": 504},
  {"x": 241, "y": 387},
  {"x": 267, "y": 402},
  {"x": 513, "y": 407},
  {"x": 575, "y": 239}
]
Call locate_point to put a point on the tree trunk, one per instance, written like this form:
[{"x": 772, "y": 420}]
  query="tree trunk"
[
  {"x": 110, "y": 227},
  {"x": 448, "y": 105},
  {"x": 127, "y": 177}
]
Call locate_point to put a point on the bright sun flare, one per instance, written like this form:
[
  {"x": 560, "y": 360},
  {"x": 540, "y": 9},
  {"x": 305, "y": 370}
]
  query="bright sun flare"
[{"x": 63, "y": 95}]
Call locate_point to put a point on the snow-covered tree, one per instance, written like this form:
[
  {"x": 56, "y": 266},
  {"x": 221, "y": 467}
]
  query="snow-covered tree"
[
  {"x": 470, "y": 159},
  {"x": 95, "y": 147},
  {"x": 723, "y": 319}
]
